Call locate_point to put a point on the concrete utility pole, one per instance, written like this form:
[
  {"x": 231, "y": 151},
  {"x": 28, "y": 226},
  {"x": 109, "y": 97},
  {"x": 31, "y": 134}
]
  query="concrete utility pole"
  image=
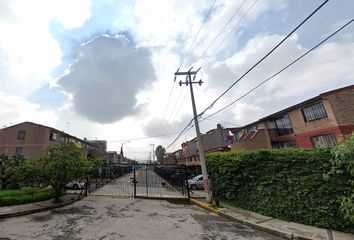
[{"x": 200, "y": 144}]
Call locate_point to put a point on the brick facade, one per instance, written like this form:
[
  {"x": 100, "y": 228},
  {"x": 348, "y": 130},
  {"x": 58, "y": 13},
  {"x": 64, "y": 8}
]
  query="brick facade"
[
  {"x": 336, "y": 119},
  {"x": 35, "y": 138}
]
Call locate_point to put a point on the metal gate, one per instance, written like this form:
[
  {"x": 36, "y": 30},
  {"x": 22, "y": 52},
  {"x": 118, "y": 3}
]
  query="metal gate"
[{"x": 140, "y": 181}]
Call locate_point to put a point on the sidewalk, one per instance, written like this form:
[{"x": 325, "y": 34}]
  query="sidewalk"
[
  {"x": 18, "y": 210},
  {"x": 288, "y": 230}
]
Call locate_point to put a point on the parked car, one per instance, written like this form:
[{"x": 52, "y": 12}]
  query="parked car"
[
  {"x": 196, "y": 182},
  {"x": 75, "y": 185},
  {"x": 181, "y": 176}
]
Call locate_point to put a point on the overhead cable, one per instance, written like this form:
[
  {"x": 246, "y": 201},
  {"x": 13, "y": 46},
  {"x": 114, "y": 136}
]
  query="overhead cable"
[
  {"x": 197, "y": 34},
  {"x": 212, "y": 104},
  {"x": 220, "y": 32},
  {"x": 282, "y": 69},
  {"x": 229, "y": 33}
]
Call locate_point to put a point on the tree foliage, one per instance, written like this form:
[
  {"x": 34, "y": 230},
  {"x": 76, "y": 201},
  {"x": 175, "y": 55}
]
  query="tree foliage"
[
  {"x": 160, "y": 151},
  {"x": 61, "y": 164},
  {"x": 6, "y": 163},
  {"x": 344, "y": 159}
]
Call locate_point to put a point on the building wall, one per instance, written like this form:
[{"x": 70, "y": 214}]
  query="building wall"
[
  {"x": 300, "y": 126},
  {"x": 214, "y": 139},
  {"x": 255, "y": 140},
  {"x": 35, "y": 142},
  {"x": 37, "y": 139},
  {"x": 342, "y": 104}
]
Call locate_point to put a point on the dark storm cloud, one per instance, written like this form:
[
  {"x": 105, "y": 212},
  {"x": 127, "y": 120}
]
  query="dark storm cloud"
[{"x": 106, "y": 77}]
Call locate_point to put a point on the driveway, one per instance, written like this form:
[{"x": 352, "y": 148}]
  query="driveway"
[{"x": 117, "y": 218}]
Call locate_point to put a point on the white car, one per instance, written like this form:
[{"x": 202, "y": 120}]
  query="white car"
[
  {"x": 75, "y": 185},
  {"x": 196, "y": 182}
]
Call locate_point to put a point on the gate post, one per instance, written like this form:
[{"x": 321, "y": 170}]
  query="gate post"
[
  {"x": 134, "y": 181},
  {"x": 185, "y": 170}
]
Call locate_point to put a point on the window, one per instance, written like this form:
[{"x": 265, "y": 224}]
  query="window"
[
  {"x": 275, "y": 145},
  {"x": 252, "y": 129},
  {"x": 270, "y": 124},
  {"x": 18, "y": 150},
  {"x": 53, "y": 136},
  {"x": 289, "y": 144},
  {"x": 283, "y": 125},
  {"x": 21, "y": 135},
  {"x": 327, "y": 140},
  {"x": 314, "y": 112},
  {"x": 62, "y": 139},
  {"x": 238, "y": 134}
]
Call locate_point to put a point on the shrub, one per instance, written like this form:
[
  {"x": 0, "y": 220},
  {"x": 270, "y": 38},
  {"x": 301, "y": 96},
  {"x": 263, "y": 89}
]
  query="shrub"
[{"x": 288, "y": 184}]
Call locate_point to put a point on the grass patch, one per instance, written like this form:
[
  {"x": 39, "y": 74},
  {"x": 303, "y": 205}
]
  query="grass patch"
[
  {"x": 213, "y": 205},
  {"x": 57, "y": 201},
  {"x": 26, "y": 195}
]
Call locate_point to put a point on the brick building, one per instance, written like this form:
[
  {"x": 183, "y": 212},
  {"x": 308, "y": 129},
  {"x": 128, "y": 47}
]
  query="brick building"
[
  {"x": 317, "y": 122},
  {"x": 32, "y": 139}
]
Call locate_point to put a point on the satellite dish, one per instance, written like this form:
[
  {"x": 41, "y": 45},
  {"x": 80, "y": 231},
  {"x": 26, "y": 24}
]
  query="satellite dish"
[{"x": 219, "y": 126}]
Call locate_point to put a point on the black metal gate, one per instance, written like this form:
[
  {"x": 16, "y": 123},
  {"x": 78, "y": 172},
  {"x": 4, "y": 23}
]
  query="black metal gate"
[{"x": 140, "y": 181}]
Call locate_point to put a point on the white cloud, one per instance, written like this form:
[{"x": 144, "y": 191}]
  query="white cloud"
[
  {"x": 247, "y": 113},
  {"x": 104, "y": 81},
  {"x": 16, "y": 110}
]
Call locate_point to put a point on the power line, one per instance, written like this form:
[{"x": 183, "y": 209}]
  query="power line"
[
  {"x": 229, "y": 33},
  {"x": 167, "y": 124},
  {"x": 185, "y": 96},
  {"x": 211, "y": 105},
  {"x": 283, "y": 69},
  {"x": 165, "y": 109},
  {"x": 197, "y": 33},
  {"x": 182, "y": 132},
  {"x": 220, "y": 32},
  {"x": 134, "y": 139}
]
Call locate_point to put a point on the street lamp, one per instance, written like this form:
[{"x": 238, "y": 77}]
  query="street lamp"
[
  {"x": 153, "y": 154},
  {"x": 121, "y": 150}
]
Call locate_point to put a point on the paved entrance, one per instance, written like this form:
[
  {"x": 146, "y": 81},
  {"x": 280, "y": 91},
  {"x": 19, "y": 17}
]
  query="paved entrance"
[{"x": 117, "y": 218}]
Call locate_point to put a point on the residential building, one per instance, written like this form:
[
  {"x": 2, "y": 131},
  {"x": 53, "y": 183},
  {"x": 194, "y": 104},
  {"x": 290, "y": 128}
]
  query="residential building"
[
  {"x": 101, "y": 145},
  {"x": 212, "y": 141},
  {"x": 112, "y": 157},
  {"x": 32, "y": 139},
  {"x": 316, "y": 122}
]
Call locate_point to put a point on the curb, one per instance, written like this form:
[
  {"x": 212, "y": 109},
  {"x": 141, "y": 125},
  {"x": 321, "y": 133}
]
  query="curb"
[
  {"x": 283, "y": 234},
  {"x": 204, "y": 206},
  {"x": 17, "y": 214}
]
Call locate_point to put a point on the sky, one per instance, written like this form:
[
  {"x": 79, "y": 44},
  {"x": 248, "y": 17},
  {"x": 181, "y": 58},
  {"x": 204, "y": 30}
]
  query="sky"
[{"x": 104, "y": 69}]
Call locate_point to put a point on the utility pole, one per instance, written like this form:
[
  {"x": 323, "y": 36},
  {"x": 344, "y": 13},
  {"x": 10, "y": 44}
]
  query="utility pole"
[{"x": 200, "y": 144}]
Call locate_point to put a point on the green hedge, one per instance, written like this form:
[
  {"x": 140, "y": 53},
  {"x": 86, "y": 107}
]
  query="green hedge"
[
  {"x": 287, "y": 184},
  {"x": 24, "y": 196}
]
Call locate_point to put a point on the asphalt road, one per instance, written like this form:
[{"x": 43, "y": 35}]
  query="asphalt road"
[{"x": 107, "y": 218}]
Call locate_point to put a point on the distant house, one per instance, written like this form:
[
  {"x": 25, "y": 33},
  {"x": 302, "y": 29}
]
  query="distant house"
[
  {"x": 316, "y": 122},
  {"x": 212, "y": 141},
  {"x": 112, "y": 157},
  {"x": 32, "y": 139}
]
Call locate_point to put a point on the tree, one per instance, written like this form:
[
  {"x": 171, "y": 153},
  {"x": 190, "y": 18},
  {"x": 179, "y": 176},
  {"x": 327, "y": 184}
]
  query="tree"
[
  {"x": 61, "y": 164},
  {"x": 6, "y": 163},
  {"x": 25, "y": 172},
  {"x": 344, "y": 159},
  {"x": 160, "y": 151}
]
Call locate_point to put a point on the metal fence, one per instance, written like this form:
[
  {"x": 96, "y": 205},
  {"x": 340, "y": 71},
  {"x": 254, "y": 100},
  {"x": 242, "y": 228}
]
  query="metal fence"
[{"x": 141, "y": 181}]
